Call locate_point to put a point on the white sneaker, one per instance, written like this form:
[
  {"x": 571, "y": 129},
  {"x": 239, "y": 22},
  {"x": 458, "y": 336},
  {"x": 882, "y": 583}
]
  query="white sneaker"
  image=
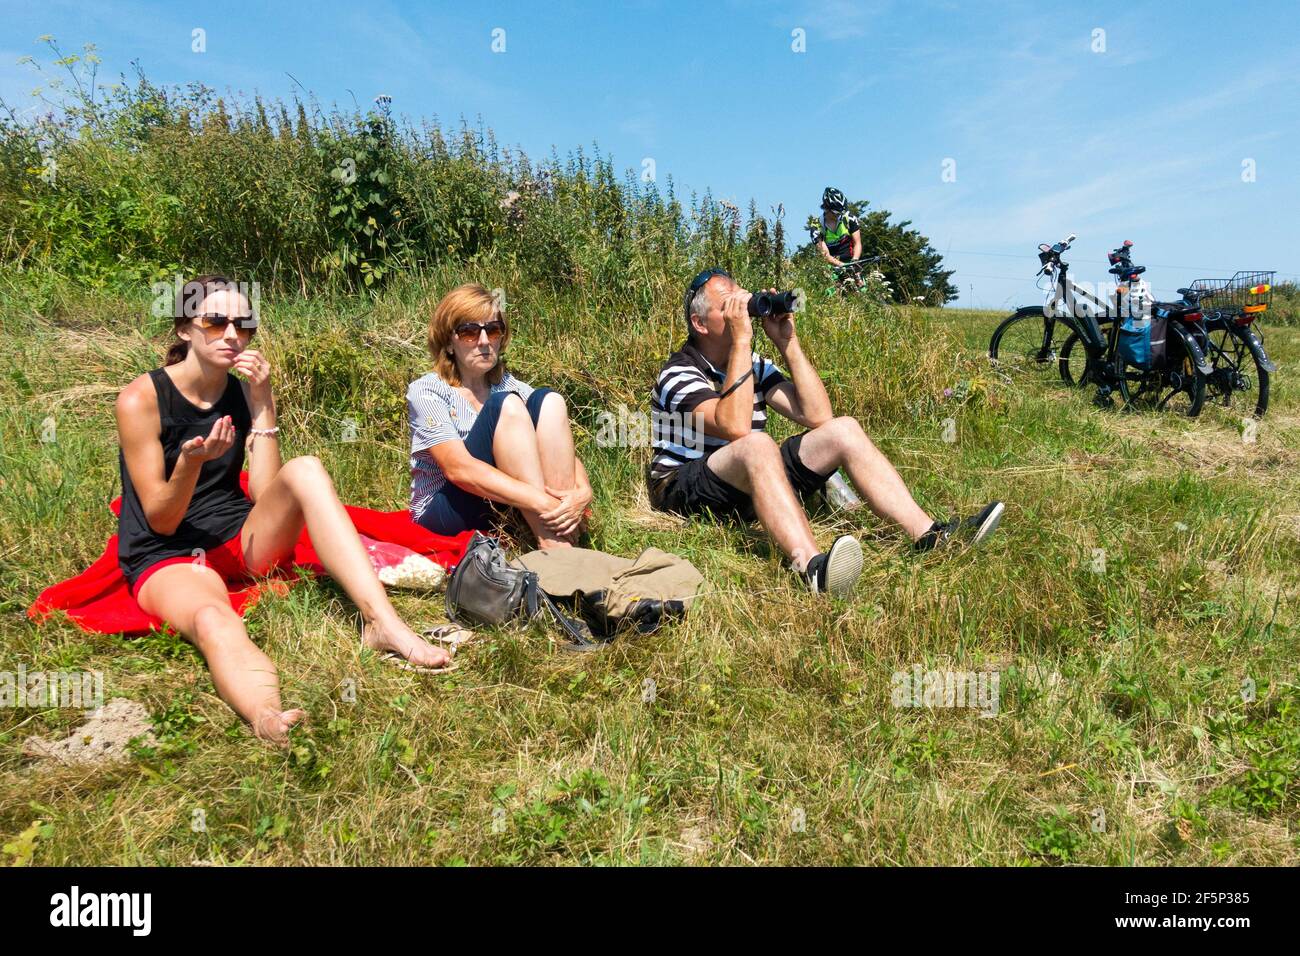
[{"x": 837, "y": 570}]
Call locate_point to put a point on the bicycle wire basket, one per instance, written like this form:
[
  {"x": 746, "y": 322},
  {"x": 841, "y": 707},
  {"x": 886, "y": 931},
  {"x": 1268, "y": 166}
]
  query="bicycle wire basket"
[{"x": 1246, "y": 293}]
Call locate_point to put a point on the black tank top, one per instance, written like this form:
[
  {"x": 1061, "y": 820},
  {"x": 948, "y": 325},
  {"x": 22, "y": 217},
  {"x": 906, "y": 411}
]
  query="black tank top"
[{"x": 218, "y": 506}]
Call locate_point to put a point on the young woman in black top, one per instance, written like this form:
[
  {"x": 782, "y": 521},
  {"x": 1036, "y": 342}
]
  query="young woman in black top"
[{"x": 186, "y": 527}]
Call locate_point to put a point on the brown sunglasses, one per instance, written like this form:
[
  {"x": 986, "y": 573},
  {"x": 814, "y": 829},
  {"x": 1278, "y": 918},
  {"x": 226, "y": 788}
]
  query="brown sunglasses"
[
  {"x": 215, "y": 320},
  {"x": 468, "y": 332}
]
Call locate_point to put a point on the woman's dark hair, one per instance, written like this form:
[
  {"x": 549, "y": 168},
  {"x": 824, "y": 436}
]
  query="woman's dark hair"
[{"x": 188, "y": 299}]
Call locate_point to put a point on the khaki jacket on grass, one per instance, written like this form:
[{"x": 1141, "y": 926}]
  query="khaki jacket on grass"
[{"x": 611, "y": 590}]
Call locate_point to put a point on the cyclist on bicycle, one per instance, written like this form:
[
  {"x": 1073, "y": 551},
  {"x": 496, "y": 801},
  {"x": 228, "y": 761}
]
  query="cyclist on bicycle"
[{"x": 839, "y": 238}]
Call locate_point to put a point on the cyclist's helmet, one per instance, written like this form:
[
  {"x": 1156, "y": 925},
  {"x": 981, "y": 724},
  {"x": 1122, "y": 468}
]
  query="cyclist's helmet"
[{"x": 834, "y": 200}]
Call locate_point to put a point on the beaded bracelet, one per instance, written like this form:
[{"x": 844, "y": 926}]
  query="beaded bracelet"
[{"x": 264, "y": 431}]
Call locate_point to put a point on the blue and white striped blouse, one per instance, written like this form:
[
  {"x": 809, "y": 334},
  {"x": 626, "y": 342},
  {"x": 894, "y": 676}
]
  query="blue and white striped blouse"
[{"x": 438, "y": 412}]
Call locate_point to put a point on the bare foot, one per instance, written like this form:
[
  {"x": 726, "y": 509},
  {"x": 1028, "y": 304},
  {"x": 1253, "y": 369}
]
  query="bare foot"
[
  {"x": 405, "y": 643},
  {"x": 274, "y": 725}
]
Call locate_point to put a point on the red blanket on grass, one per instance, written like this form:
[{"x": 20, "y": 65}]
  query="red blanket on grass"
[{"x": 98, "y": 600}]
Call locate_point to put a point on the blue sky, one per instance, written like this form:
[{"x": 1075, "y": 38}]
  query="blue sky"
[{"x": 1144, "y": 139}]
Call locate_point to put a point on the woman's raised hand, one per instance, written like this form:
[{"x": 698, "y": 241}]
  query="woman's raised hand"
[
  {"x": 256, "y": 369},
  {"x": 218, "y": 441}
]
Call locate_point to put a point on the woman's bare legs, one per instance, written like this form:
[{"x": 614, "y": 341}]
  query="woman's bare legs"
[
  {"x": 515, "y": 449},
  {"x": 560, "y": 465},
  {"x": 193, "y": 598},
  {"x": 302, "y": 492},
  {"x": 555, "y": 443}
]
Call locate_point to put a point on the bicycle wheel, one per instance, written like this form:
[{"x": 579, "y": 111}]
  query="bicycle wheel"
[
  {"x": 1229, "y": 353},
  {"x": 1079, "y": 369},
  {"x": 1074, "y": 363},
  {"x": 1182, "y": 389},
  {"x": 1027, "y": 344}
]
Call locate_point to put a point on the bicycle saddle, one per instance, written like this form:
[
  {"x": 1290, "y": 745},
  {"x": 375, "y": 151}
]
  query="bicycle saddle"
[
  {"x": 1123, "y": 271},
  {"x": 1178, "y": 309},
  {"x": 1194, "y": 295}
]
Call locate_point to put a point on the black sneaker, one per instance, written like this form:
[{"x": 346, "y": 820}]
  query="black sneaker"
[
  {"x": 970, "y": 531},
  {"x": 835, "y": 571}
]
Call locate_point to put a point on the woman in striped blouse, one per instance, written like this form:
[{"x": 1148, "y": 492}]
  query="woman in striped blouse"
[{"x": 479, "y": 435}]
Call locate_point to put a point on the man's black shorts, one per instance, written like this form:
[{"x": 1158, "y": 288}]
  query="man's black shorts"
[{"x": 693, "y": 488}]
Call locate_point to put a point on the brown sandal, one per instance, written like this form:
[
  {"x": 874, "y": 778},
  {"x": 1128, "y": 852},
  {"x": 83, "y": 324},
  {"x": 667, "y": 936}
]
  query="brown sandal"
[{"x": 449, "y": 636}]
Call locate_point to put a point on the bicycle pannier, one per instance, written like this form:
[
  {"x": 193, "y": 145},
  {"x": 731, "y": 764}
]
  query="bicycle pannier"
[{"x": 1142, "y": 341}]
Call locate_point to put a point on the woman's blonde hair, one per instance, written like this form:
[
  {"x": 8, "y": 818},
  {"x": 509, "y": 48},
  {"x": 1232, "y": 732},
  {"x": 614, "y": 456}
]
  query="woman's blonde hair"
[{"x": 465, "y": 303}]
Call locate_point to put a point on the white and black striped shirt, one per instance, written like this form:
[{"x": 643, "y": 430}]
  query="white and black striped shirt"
[
  {"x": 687, "y": 380},
  {"x": 438, "y": 412}
]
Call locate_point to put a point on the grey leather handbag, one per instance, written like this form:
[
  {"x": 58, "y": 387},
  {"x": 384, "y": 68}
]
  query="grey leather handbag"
[{"x": 484, "y": 589}]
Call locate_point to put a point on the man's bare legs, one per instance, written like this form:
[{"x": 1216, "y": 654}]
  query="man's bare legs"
[
  {"x": 841, "y": 443},
  {"x": 753, "y": 465}
]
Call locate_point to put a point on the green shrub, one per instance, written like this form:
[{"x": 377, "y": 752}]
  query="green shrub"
[{"x": 150, "y": 181}]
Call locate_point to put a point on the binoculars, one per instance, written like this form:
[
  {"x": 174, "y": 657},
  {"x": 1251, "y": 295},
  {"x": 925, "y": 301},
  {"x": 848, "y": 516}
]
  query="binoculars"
[{"x": 763, "y": 304}]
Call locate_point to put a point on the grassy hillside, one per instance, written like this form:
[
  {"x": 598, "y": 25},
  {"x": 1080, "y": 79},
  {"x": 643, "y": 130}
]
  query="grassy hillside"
[
  {"x": 770, "y": 736},
  {"x": 1146, "y": 568}
]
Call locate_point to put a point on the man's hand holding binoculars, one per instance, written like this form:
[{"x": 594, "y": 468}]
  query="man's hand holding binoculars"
[
  {"x": 741, "y": 307},
  {"x": 779, "y": 326}
]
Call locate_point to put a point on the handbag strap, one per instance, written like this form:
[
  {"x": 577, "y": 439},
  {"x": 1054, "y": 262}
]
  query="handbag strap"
[{"x": 580, "y": 638}]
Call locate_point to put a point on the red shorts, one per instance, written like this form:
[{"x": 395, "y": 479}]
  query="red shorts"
[{"x": 227, "y": 559}]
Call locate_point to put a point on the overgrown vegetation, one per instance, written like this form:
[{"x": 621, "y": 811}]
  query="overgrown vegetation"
[
  {"x": 1285, "y": 309},
  {"x": 1147, "y": 707},
  {"x": 119, "y": 184}
]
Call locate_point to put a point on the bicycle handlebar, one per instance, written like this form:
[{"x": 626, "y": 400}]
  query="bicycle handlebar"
[{"x": 1049, "y": 255}]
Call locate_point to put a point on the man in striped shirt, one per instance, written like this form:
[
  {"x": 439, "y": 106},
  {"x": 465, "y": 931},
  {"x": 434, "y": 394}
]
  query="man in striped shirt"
[{"x": 712, "y": 452}]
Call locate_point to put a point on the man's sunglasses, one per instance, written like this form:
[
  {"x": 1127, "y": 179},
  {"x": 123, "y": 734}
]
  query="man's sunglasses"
[
  {"x": 468, "y": 332},
  {"x": 698, "y": 283},
  {"x": 215, "y": 320}
]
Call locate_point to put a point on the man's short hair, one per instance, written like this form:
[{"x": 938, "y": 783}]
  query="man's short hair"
[
  {"x": 700, "y": 306},
  {"x": 691, "y": 304}
]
